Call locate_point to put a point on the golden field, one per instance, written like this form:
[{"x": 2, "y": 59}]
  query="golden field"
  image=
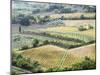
[{"x": 52, "y": 56}]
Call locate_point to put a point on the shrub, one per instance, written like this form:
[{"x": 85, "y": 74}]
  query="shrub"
[
  {"x": 91, "y": 27},
  {"x": 66, "y": 10},
  {"x": 82, "y": 17},
  {"x": 24, "y": 47},
  {"x": 14, "y": 72},
  {"x": 86, "y": 64},
  {"x": 54, "y": 69},
  {"x": 82, "y": 28},
  {"x": 35, "y": 43},
  {"x": 24, "y": 21},
  {"x": 45, "y": 42},
  {"x": 25, "y": 63}
]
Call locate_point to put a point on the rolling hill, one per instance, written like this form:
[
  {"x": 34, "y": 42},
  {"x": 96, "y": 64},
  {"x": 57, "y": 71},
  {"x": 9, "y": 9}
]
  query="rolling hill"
[{"x": 52, "y": 56}]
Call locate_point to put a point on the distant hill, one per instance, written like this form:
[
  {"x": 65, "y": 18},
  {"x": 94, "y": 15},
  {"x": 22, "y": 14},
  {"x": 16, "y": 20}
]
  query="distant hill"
[{"x": 37, "y": 7}]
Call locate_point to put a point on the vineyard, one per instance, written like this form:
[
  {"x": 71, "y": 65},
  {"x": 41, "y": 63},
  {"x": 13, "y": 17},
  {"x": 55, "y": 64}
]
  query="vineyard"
[{"x": 46, "y": 56}]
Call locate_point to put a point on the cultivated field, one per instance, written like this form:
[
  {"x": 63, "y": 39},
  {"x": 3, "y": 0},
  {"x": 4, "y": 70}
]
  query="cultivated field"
[
  {"x": 52, "y": 37},
  {"x": 53, "y": 56},
  {"x": 72, "y": 15}
]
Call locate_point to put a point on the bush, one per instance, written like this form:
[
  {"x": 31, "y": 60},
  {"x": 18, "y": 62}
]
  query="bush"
[
  {"x": 66, "y": 10},
  {"x": 82, "y": 17},
  {"x": 25, "y": 63},
  {"x": 82, "y": 28},
  {"x": 14, "y": 72},
  {"x": 24, "y": 21},
  {"x": 91, "y": 27},
  {"x": 35, "y": 43},
  {"x": 45, "y": 42},
  {"x": 24, "y": 47},
  {"x": 86, "y": 64},
  {"x": 54, "y": 69}
]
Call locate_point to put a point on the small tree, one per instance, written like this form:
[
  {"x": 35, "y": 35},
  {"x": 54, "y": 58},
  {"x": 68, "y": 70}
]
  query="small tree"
[
  {"x": 35, "y": 43},
  {"x": 25, "y": 21},
  {"x": 82, "y": 17},
  {"x": 14, "y": 72},
  {"x": 24, "y": 47},
  {"x": 86, "y": 64},
  {"x": 45, "y": 42},
  {"x": 19, "y": 29}
]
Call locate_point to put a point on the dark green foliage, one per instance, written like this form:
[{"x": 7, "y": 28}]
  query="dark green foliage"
[
  {"x": 36, "y": 11},
  {"x": 19, "y": 29},
  {"x": 25, "y": 63},
  {"x": 14, "y": 20},
  {"x": 16, "y": 39},
  {"x": 55, "y": 6},
  {"x": 24, "y": 47},
  {"x": 90, "y": 8},
  {"x": 35, "y": 43},
  {"x": 54, "y": 69},
  {"x": 25, "y": 21},
  {"x": 86, "y": 64},
  {"x": 45, "y": 42},
  {"x": 91, "y": 27},
  {"x": 14, "y": 72},
  {"x": 82, "y": 17},
  {"x": 82, "y": 28},
  {"x": 66, "y": 10}
]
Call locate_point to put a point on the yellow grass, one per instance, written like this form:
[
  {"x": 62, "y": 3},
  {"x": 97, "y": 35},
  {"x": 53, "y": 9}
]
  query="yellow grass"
[
  {"x": 72, "y": 15},
  {"x": 78, "y": 23},
  {"x": 89, "y": 33},
  {"x": 50, "y": 56},
  {"x": 84, "y": 51},
  {"x": 61, "y": 29},
  {"x": 53, "y": 56}
]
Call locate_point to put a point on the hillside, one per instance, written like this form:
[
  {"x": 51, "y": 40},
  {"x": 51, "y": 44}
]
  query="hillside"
[
  {"x": 84, "y": 51},
  {"x": 50, "y": 56},
  {"x": 53, "y": 56}
]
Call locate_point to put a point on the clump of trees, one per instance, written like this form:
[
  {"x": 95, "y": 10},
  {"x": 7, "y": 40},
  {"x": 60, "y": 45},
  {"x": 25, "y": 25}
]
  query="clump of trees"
[
  {"x": 85, "y": 27},
  {"x": 25, "y": 63},
  {"x": 86, "y": 64},
  {"x": 25, "y": 21},
  {"x": 66, "y": 10},
  {"x": 35, "y": 43},
  {"x": 24, "y": 47},
  {"x": 14, "y": 72}
]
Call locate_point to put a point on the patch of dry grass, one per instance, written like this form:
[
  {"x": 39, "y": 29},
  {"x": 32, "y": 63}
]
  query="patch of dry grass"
[
  {"x": 53, "y": 56},
  {"x": 50, "y": 56},
  {"x": 61, "y": 29}
]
